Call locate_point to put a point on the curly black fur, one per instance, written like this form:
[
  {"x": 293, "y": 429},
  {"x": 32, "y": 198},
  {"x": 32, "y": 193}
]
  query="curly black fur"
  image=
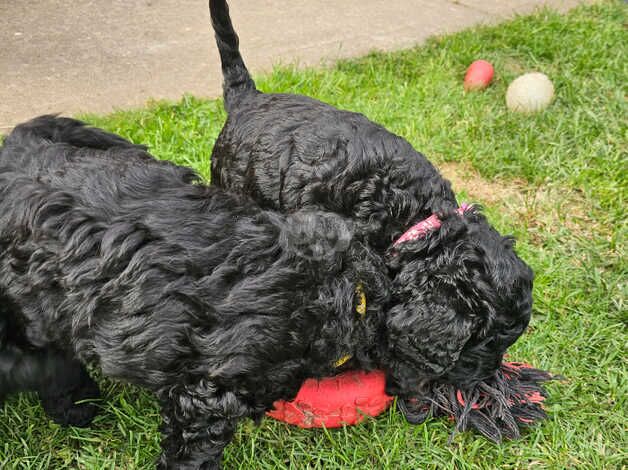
[
  {"x": 460, "y": 297},
  {"x": 219, "y": 308}
]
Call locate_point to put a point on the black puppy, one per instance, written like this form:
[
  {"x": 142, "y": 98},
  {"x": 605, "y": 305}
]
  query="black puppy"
[
  {"x": 460, "y": 294},
  {"x": 219, "y": 308}
]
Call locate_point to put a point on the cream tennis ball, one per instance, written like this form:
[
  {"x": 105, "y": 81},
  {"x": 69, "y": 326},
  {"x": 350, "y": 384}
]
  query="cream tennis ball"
[{"x": 529, "y": 93}]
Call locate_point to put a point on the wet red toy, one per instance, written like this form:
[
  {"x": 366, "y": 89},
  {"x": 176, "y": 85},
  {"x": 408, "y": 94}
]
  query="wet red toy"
[{"x": 332, "y": 402}]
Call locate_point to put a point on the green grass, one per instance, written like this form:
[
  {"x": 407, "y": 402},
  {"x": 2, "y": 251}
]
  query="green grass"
[{"x": 577, "y": 147}]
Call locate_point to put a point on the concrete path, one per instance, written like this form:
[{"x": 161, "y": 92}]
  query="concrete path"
[{"x": 71, "y": 56}]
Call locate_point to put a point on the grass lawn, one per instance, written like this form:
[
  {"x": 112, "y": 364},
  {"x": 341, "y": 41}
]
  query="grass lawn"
[{"x": 556, "y": 180}]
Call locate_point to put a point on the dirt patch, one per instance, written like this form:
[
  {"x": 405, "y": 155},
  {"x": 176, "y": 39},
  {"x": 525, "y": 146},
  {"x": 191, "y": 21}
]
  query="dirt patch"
[
  {"x": 464, "y": 177},
  {"x": 546, "y": 208}
]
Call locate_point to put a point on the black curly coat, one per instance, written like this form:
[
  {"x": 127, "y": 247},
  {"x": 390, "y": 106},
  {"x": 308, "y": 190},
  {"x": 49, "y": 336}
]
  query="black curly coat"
[
  {"x": 110, "y": 257},
  {"x": 460, "y": 296}
]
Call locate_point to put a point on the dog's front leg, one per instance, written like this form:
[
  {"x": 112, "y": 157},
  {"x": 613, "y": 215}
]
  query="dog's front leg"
[{"x": 197, "y": 424}]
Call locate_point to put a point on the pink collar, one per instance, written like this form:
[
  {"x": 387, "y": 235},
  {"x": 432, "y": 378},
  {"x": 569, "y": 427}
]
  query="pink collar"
[{"x": 422, "y": 228}]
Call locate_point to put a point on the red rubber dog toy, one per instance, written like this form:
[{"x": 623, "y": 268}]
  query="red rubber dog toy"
[{"x": 331, "y": 402}]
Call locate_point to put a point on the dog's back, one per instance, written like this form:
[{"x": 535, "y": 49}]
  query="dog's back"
[
  {"x": 62, "y": 152},
  {"x": 23, "y": 148},
  {"x": 99, "y": 172},
  {"x": 54, "y": 129}
]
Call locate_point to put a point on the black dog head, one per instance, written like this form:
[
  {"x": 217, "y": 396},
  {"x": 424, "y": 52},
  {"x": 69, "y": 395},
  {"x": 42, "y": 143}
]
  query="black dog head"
[{"x": 462, "y": 296}]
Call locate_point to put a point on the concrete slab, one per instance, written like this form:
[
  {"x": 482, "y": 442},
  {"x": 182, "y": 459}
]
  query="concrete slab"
[{"x": 74, "y": 56}]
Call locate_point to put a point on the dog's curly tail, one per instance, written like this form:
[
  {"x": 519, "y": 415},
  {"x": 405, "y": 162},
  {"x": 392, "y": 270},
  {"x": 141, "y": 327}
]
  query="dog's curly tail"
[{"x": 235, "y": 75}]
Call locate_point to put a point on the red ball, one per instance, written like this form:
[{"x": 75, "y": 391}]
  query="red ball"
[
  {"x": 479, "y": 75},
  {"x": 331, "y": 402}
]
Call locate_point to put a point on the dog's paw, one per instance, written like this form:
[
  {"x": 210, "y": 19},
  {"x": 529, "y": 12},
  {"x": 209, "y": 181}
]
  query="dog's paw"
[{"x": 74, "y": 406}]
